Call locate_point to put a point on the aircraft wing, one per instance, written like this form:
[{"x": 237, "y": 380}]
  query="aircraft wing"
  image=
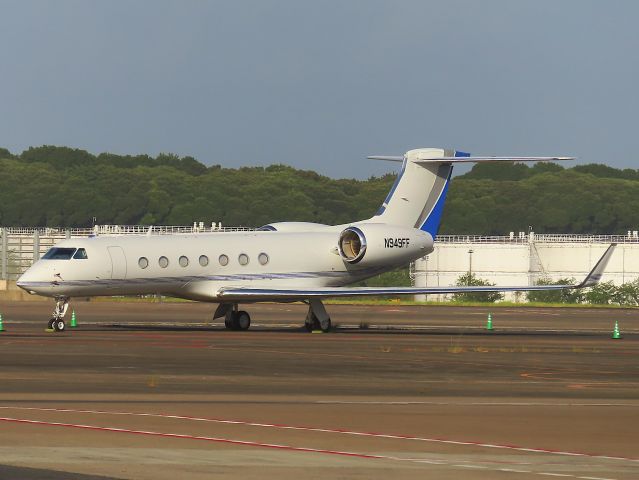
[{"x": 257, "y": 294}]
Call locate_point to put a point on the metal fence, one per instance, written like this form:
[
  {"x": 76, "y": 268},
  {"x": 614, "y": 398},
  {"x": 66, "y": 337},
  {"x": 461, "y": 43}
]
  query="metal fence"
[
  {"x": 532, "y": 237},
  {"x": 20, "y": 247}
]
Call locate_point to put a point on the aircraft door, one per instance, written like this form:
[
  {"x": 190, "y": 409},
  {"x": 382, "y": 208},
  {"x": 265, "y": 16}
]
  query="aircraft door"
[{"x": 118, "y": 263}]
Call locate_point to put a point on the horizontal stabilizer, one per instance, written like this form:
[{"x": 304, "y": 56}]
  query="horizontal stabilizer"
[
  {"x": 469, "y": 159},
  {"x": 493, "y": 159}
]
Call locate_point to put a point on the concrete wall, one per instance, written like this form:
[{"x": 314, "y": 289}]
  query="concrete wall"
[{"x": 523, "y": 262}]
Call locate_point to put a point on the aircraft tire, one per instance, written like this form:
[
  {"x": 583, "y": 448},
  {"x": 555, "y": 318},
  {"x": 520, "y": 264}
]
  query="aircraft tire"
[
  {"x": 242, "y": 320},
  {"x": 326, "y": 327}
]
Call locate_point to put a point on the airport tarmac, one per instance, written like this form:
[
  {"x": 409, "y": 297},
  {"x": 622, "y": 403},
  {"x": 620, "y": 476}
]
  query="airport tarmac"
[{"x": 154, "y": 391}]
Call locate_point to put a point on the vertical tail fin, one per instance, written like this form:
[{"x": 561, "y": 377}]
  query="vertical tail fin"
[
  {"x": 418, "y": 195},
  {"x": 419, "y": 192}
]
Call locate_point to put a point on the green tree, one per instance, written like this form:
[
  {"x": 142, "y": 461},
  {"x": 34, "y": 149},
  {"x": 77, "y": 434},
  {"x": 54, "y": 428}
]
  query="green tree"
[
  {"x": 61, "y": 186},
  {"x": 399, "y": 277},
  {"x": 395, "y": 278},
  {"x": 556, "y": 296},
  {"x": 499, "y": 171},
  {"x": 628, "y": 294},
  {"x": 470, "y": 279},
  {"x": 604, "y": 171},
  {"x": 603, "y": 293},
  {"x": 4, "y": 153}
]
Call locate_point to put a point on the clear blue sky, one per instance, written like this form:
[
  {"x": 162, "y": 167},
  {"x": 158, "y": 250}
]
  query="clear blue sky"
[{"x": 319, "y": 85}]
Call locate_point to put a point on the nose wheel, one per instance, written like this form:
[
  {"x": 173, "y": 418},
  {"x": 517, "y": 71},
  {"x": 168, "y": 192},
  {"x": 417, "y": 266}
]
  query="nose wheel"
[{"x": 56, "y": 323}]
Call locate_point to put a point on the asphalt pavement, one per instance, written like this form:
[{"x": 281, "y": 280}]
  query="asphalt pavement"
[{"x": 158, "y": 391}]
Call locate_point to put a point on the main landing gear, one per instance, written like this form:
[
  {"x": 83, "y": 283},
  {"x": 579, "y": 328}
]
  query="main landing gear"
[
  {"x": 234, "y": 319},
  {"x": 317, "y": 318},
  {"x": 56, "y": 324},
  {"x": 237, "y": 320}
]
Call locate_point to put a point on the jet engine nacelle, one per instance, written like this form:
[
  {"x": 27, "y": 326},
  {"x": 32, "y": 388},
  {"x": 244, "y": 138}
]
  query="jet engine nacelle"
[{"x": 372, "y": 244}]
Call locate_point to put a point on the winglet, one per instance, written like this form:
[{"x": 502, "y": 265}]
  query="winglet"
[{"x": 598, "y": 270}]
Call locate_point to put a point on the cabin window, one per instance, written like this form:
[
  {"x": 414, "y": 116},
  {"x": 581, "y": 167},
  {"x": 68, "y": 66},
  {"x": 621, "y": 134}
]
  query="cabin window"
[
  {"x": 163, "y": 262},
  {"x": 183, "y": 261},
  {"x": 204, "y": 260},
  {"x": 81, "y": 254},
  {"x": 243, "y": 259},
  {"x": 224, "y": 260},
  {"x": 59, "y": 253},
  {"x": 262, "y": 258},
  {"x": 143, "y": 262}
]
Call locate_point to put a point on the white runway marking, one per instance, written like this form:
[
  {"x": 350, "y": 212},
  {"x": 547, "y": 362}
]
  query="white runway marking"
[
  {"x": 593, "y": 478},
  {"x": 470, "y": 466}
]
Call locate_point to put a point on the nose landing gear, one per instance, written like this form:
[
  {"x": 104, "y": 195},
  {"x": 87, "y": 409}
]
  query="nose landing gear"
[{"x": 57, "y": 324}]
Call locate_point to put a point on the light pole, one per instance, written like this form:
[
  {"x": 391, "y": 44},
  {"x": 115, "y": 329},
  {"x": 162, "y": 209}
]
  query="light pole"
[{"x": 470, "y": 265}]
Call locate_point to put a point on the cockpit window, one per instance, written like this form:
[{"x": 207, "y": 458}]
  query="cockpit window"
[
  {"x": 58, "y": 253},
  {"x": 81, "y": 254}
]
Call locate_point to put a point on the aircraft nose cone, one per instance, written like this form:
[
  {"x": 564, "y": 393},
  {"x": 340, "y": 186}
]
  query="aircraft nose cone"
[
  {"x": 23, "y": 281},
  {"x": 29, "y": 280}
]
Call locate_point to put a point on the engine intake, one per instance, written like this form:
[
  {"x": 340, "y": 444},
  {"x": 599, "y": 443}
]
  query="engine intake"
[
  {"x": 368, "y": 245},
  {"x": 352, "y": 244}
]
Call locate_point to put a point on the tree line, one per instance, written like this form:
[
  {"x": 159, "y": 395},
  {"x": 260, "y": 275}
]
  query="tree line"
[
  {"x": 603, "y": 293},
  {"x": 61, "y": 186}
]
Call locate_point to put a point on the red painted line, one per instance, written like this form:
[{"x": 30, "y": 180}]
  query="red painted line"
[
  {"x": 199, "y": 437},
  {"x": 333, "y": 430}
]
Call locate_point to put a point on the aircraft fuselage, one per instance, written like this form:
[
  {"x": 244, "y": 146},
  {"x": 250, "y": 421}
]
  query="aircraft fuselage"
[{"x": 196, "y": 266}]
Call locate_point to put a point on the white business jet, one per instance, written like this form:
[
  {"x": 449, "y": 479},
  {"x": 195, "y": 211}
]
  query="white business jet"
[{"x": 280, "y": 262}]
